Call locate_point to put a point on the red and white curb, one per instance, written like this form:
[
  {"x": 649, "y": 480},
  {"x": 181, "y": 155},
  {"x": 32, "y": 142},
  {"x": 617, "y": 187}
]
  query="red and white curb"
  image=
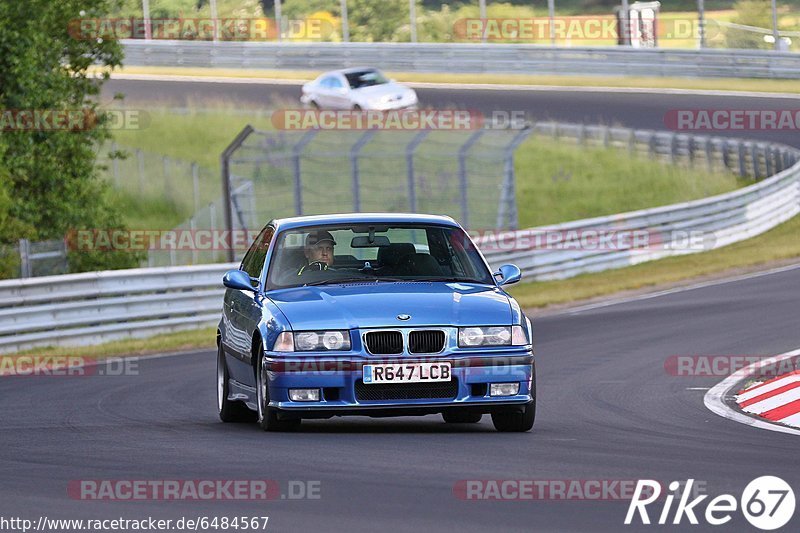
[{"x": 776, "y": 398}]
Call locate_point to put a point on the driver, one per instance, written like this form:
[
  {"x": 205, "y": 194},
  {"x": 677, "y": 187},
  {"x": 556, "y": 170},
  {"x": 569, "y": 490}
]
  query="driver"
[{"x": 318, "y": 251}]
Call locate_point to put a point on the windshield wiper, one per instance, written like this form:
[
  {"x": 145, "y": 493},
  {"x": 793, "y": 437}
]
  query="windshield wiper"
[
  {"x": 333, "y": 281},
  {"x": 451, "y": 280}
]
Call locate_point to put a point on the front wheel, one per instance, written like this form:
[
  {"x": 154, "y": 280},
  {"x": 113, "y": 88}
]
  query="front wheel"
[
  {"x": 267, "y": 416},
  {"x": 511, "y": 421},
  {"x": 229, "y": 410},
  {"x": 518, "y": 421}
]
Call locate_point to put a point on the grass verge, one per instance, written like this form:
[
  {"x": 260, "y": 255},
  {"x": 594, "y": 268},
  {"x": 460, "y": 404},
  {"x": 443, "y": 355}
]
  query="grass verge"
[{"x": 642, "y": 82}]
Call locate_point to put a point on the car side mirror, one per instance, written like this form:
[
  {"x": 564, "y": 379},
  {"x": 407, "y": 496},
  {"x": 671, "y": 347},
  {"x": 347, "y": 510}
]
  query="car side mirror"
[
  {"x": 236, "y": 279},
  {"x": 508, "y": 274}
]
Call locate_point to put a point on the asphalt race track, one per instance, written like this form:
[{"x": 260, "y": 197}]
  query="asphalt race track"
[{"x": 607, "y": 410}]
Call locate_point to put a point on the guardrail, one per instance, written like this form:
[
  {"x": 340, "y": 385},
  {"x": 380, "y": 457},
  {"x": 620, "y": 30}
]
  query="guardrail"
[
  {"x": 94, "y": 307},
  {"x": 99, "y": 306},
  {"x": 467, "y": 58}
]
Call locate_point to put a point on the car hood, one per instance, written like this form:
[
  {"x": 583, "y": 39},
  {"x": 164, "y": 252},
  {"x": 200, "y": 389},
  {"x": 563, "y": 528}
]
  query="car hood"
[
  {"x": 371, "y": 305},
  {"x": 384, "y": 89}
]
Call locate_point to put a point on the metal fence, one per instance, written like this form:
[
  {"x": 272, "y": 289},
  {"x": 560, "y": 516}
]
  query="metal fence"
[
  {"x": 28, "y": 259},
  {"x": 185, "y": 186},
  {"x": 720, "y": 220},
  {"x": 466, "y": 174},
  {"x": 467, "y": 58}
]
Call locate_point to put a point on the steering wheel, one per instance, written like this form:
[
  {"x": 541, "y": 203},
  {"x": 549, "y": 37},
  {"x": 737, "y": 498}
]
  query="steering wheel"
[{"x": 317, "y": 266}]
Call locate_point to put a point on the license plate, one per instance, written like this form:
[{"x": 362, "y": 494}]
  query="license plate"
[{"x": 407, "y": 373}]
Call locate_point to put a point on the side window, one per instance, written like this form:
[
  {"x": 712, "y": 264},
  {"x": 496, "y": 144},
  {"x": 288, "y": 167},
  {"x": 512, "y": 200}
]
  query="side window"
[
  {"x": 336, "y": 83},
  {"x": 326, "y": 82},
  {"x": 254, "y": 258}
]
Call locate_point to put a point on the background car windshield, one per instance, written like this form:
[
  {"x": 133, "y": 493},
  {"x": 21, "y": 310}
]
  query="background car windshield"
[
  {"x": 379, "y": 252},
  {"x": 365, "y": 78}
]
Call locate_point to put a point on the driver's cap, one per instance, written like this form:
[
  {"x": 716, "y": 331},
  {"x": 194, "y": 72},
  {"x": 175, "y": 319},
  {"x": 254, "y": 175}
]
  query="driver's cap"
[{"x": 316, "y": 237}]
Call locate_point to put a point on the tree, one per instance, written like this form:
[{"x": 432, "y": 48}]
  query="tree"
[
  {"x": 51, "y": 175},
  {"x": 376, "y": 20}
]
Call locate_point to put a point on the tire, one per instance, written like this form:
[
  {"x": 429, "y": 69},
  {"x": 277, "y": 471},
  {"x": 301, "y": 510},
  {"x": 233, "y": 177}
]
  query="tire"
[
  {"x": 314, "y": 105},
  {"x": 357, "y": 108},
  {"x": 229, "y": 410},
  {"x": 461, "y": 417},
  {"x": 516, "y": 421},
  {"x": 267, "y": 416}
]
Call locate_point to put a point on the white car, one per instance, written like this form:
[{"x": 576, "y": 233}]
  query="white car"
[{"x": 362, "y": 88}]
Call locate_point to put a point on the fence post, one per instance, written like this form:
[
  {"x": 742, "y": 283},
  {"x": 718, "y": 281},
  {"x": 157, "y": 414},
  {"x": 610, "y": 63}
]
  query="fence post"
[
  {"x": 673, "y": 148},
  {"x": 410, "y": 149},
  {"x": 508, "y": 196},
  {"x": 196, "y": 186},
  {"x": 726, "y": 163},
  {"x": 606, "y": 136},
  {"x": 756, "y": 162},
  {"x": 768, "y": 155},
  {"x": 462, "y": 175},
  {"x": 742, "y": 166},
  {"x": 24, "y": 258},
  {"x": 632, "y": 141},
  {"x": 140, "y": 164},
  {"x": 651, "y": 145},
  {"x": 363, "y": 140},
  {"x": 225, "y": 158},
  {"x": 297, "y": 150},
  {"x": 193, "y": 229}
]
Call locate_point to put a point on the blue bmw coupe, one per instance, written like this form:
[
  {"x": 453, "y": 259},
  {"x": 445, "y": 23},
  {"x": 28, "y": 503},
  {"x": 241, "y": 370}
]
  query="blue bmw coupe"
[{"x": 376, "y": 315}]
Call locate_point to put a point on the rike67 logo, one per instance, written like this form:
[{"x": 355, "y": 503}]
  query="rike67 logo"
[{"x": 767, "y": 503}]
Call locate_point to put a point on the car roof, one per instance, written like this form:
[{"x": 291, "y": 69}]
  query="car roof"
[
  {"x": 349, "y": 70},
  {"x": 361, "y": 218}
]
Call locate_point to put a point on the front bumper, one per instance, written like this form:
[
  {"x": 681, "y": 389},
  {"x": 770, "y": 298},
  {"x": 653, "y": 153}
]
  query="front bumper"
[{"x": 339, "y": 380}]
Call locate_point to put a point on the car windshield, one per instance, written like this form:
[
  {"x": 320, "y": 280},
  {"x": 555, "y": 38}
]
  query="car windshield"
[
  {"x": 374, "y": 253},
  {"x": 365, "y": 78}
]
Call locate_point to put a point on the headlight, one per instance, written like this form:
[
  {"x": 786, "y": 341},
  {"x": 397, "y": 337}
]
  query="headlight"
[
  {"x": 309, "y": 341},
  {"x": 491, "y": 336}
]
